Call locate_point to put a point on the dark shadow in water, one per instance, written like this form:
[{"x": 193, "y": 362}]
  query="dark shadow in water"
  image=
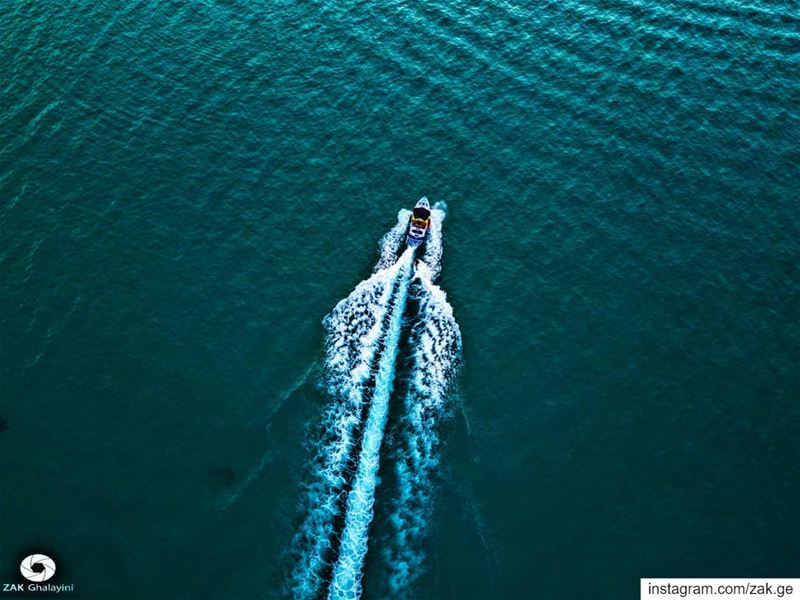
[
  {"x": 260, "y": 505},
  {"x": 221, "y": 477}
]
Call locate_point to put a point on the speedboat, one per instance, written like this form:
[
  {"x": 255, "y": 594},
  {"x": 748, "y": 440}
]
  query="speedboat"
[{"x": 419, "y": 223}]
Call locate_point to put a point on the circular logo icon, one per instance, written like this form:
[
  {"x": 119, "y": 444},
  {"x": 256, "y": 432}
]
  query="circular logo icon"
[{"x": 37, "y": 567}]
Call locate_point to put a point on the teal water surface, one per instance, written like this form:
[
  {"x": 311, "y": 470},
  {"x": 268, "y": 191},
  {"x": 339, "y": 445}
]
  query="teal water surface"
[{"x": 188, "y": 188}]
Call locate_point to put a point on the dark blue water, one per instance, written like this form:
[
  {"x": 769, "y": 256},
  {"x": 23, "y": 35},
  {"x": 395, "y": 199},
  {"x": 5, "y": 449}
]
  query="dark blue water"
[{"x": 189, "y": 188}]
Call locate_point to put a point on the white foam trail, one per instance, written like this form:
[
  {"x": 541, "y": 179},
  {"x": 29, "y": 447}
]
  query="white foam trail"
[
  {"x": 436, "y": 340},
  {"x": 362, "y": 339},
  {"x": 346, "y": 578},
  {"x": 353, "y": 336},
  {"x": 389, "y": 246}
]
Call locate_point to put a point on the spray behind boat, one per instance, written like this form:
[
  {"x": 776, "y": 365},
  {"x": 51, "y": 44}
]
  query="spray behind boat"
[{"x": 398, "y": 307}]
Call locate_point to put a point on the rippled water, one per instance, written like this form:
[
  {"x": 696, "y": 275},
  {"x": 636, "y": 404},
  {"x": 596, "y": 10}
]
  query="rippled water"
[{"x": 189, "y": 188}]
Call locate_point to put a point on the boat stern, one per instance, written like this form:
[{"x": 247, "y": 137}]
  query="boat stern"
[{"x": 419, "y": 223}]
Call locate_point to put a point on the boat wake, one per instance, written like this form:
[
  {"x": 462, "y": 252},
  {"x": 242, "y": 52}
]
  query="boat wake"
[
  {"x": 398, "y": 306},
  {"x": 435, "y": 342}
]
